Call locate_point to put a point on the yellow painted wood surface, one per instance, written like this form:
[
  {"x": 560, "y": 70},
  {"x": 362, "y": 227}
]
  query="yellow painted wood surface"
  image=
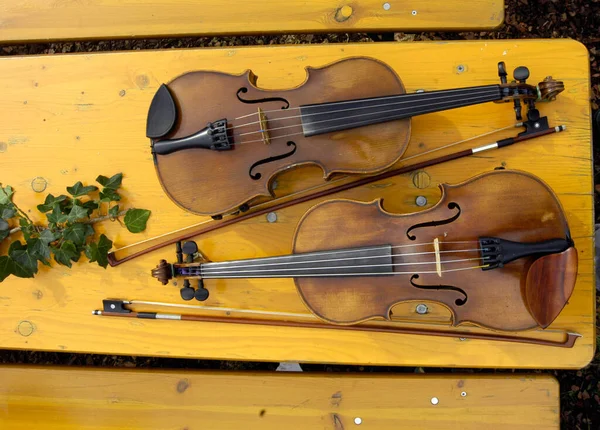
[
  {"x": 37, "y": 20},
  {"x": 69, "y": 118},
  {"x": 72, "y": 398}
]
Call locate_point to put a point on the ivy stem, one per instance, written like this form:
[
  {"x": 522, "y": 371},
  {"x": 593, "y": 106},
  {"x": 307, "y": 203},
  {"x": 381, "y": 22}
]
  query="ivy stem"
[{"x": 90, "y": 221}]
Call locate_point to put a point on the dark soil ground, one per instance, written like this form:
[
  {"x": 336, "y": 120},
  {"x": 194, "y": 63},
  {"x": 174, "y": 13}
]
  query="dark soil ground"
[{"x": 576, "y": 19}]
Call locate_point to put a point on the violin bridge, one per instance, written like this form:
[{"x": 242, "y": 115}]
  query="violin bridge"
[
  {"x": 438, "y": 260},
  {"x": 264, "y": 129}
]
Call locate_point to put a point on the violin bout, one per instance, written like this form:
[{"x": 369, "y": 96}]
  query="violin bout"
[{"x": 549, "y": 284}]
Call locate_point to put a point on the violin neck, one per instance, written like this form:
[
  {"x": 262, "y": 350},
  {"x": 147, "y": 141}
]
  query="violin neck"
[
  {"x": 366, "y": 261},
  {"x": 337, "y": 116}
]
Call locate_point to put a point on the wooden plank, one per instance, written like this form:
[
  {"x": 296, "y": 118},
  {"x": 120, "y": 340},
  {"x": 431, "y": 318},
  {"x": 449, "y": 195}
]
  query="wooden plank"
[
  {"x": 71, "y": 398},
  {"x": 44, "y": 20},
  {"x": 72, "y": 117}
]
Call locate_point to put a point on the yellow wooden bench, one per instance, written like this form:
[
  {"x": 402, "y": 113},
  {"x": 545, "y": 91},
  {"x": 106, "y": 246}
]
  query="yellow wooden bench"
[
  {"x": 71, "y": 117},
  {"x": 41, "y": 20},
  {"x": 78, "y": 398}
]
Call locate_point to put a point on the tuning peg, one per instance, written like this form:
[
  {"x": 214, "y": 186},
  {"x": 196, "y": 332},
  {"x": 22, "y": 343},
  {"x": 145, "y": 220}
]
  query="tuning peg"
[
  {"x": 187, "y": 292},
  {"x": 518, "y": 110},
  {"x": 178, "y": 252},
  {"x": 502, "y": 72},
  {"x": 201, "y": 293},
  {"x": 521, "y": 74},
  {"x": 190, "y": 247}
]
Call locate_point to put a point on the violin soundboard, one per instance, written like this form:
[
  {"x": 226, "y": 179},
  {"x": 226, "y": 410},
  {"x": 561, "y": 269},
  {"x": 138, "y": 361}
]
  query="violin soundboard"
[
  {"x": 67, "y": 118},
  {"x": 135, "y": 399}
]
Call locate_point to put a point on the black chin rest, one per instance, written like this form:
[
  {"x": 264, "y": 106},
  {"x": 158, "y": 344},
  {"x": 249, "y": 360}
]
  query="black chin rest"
[{"x": 162, "y": 114}]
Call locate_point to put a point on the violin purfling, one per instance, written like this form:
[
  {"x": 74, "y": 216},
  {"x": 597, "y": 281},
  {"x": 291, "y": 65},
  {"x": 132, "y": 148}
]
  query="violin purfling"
[{"x": 219, "y": 141}]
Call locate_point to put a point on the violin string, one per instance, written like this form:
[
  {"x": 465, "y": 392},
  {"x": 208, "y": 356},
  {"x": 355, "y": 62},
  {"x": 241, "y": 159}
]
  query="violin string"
[
  {"x": 347, "y": 251},
  {"x": 218, "y": 266},
  {"x": 406, "y": 95},
  {"x": 487, "y": 93},
  {"x": 355, "y": 124},
  {"x": 316, "y": 187},
  {"x": 225, "y": 272},
  {"x": 355, "y": 274}
]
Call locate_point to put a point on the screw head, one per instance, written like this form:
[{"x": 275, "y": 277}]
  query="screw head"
[
  {"x": 463, "y": 394},
  {"x": 460, "y": 68},
  {"x": 112, "y": 306},
  {"x": 435, "y": 401},
  {"x": 272, "y": 217},
  {"x": 387, "y": 6},
  {"x": 422, "y": 309},
  {"x": 358, "y": 421},
  {"x": 421, "y": 200},
  {"x": 414, "y": 13}
]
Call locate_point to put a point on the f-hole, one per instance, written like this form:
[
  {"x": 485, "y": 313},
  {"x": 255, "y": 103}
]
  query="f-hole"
[
  {"x": 257, "y": 176},
  {"x": 458, "y": 302},
  {"x": 244, "y": 90},
  {"x": 451, "y": 205}
]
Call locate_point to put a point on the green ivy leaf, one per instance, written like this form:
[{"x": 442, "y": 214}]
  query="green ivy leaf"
[
  {"x": 90, "y": 206},
  {"x": 98, "y": 252},
  {"x": 66, "y": 253},
  {"x": 6, "y": 195},
  {"x": 77, "y": 233},
  {"x": 57, "y": 216},
  {"x": 47, "y": 236},
  {"x": 49, "y": 203},
  {"x": 79, "y": 190},
  {"x": 76, "y": 213},
  {"x": 7, "y": 267},
  {"x": 109, "y": 195},
  {"x": 7, "y": 211},
  {"x": 4, "y": 234},
  {"x": 135, "y": 219},
  {"x": 39, "y": 250},
  {"x": 112, "y": 183},
  {"x": 27, "y": 228},
  {"x": 4, "y": 225},
  {"x": 25, "y": 264},
  {"x": 114, "y": 211}
]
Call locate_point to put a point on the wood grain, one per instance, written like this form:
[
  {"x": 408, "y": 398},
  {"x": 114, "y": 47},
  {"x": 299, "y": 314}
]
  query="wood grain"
[
  {"x": 72, "y": 117},
  {"x": 72, "y": 398},
  {"x": 39, "y": 20}
]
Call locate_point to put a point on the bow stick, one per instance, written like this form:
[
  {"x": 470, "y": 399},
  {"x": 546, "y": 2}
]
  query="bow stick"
[
  {"x": 534, "y": 127},
  {"x": 117, "y": 308}
]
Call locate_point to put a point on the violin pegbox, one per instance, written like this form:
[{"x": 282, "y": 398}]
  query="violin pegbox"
[
  {"x": 164, "y": 271},
  {"x": 518, "y": 90}
]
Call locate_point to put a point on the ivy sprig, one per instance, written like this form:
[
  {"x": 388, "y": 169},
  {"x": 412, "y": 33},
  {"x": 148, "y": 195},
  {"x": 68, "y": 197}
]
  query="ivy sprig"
[{"x": 70, "y": 227}]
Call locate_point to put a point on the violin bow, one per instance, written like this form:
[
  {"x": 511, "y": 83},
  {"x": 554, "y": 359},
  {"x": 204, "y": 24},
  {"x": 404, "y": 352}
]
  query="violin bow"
[
  {"x": 118, "y": 308},
  {"x": 535, "y": 127}
]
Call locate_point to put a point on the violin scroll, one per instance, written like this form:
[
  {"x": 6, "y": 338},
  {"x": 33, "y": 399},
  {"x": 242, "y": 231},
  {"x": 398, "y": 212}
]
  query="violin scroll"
[
  {"x": 549, "y": 89},
  {"x": 163, "y": 272}
]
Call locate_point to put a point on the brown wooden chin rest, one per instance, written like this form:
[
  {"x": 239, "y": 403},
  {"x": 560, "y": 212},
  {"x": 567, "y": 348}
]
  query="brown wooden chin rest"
[{"x": 549, "y": 284}]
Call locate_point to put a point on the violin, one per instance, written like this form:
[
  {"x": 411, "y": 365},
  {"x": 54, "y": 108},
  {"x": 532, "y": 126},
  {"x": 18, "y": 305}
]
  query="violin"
[
  {"x": 495, "y": 250},
  {"x": 218, "y": 140}
]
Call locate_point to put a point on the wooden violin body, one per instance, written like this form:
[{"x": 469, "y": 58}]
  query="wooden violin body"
[
  {"x": 495, "y": 250},
  {"x": 509, "y": 205},
  {"x": 218, "y": 140},
  {"x": 214, "y": 182}
]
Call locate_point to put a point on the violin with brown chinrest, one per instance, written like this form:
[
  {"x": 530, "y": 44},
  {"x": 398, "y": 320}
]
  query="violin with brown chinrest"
[
  {"x": 496, "y": 251},
  {"x": 218, "y": 140}
]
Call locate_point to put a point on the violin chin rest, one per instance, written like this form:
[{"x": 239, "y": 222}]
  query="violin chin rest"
[{"x": 550, "y": 282}]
